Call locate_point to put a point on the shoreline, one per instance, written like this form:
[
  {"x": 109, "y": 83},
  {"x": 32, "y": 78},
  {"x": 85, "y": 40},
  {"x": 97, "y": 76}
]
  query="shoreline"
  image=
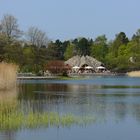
[
  {"x": 69, "y": 75},
  {"x": 98, "y": 74},
  {"x": 36, "y": 77},
  {"x": 133, "y": 74}
]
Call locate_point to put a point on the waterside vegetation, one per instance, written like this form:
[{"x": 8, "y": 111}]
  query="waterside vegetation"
[
  {"x": 134, "y": 74},
  {"x": 12, "y": 118},
  {"x": 8, "y": 76},
  {"x": 118, "y": 55}
]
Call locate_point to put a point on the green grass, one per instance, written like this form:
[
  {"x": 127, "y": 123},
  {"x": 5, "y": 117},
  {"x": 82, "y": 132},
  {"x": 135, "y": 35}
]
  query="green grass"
[
  {"x": 12, "y": 118},
  {"x": 70, "y": 78}
]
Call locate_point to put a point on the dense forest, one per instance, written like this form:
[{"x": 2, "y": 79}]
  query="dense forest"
[{"x": 32, "y": 49}]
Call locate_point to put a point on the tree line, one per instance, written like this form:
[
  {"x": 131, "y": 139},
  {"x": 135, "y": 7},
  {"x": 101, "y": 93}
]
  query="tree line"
[{"x": 32, "y": 50}]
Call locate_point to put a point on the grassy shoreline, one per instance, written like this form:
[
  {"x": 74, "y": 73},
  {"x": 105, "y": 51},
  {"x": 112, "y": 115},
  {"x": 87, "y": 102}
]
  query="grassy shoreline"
[
  {"x": 13, "y": 118},
  {"x": 71, "y": 76},
  {"x": 134, "y": 74}
]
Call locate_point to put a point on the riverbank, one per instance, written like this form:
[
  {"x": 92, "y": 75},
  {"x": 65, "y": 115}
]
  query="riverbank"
[
  {"x": 37, "y": 77},
  {"x": 134, "y": 74},
  {"x": 71, "y": 75}
]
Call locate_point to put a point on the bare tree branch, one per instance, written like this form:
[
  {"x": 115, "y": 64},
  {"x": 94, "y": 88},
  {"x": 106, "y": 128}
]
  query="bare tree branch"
[
  {"x": 37, "y": 37},
  {"x": 9, "y": 26}
]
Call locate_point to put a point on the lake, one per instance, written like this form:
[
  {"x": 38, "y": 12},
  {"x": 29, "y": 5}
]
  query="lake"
[{"x": 113, "y": 102}]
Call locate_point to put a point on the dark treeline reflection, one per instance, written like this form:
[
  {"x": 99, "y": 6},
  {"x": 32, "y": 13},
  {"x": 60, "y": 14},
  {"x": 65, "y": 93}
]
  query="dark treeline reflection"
[{"x": 81, "y": 99}]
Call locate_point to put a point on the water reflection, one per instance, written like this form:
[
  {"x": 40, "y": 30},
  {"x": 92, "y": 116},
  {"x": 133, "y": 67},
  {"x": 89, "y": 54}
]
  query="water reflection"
[
  {"x": 104, "y": 101},
  {"x": 8, "y": 95},
  {"x": 8, "y": 135},
  {"x": 109, "y": 99},
  {"x": 8, "y": 99}
]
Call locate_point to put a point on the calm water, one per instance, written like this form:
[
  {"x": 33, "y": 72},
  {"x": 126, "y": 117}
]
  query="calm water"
[{"x": 114, "y": 101}]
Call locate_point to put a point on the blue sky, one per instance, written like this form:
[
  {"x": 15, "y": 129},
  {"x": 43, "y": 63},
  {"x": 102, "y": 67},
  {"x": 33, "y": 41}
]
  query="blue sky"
[{"x": 68, "y": 19}]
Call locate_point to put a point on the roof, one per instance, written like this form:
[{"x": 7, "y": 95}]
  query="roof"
[{"x": 83, "y": 60}]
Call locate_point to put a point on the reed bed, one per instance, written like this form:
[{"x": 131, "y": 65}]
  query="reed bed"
[
  {"x": 8, "y": 96},
  {"x": 13, "y": 118},
  {"x": 8, "y": 76},
  {"x": 134, "y": 74}
]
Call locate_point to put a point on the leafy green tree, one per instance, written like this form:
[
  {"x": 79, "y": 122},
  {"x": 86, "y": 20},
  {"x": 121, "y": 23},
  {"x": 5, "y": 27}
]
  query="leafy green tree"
[
  {"x": 64, "y": 47},
  {"x": 13, "y": 53},
  {"x": 83, "y": 47},
  {"x": 136, "y": 36},
  {"x": 122, "y": 64},
  {"x": 99, "y": 48},
  {"x": 69, "y": 51},
  {"x": 52, "y": 51},
  {"x": 110, "y": 61},
  {"x": 29, "y": 56},
  {"x": 119, "y": 40},
  {"x": 123, "y": 50},
  {"x": 59, "y": 49},
  {"x": 4, "y": 41}
]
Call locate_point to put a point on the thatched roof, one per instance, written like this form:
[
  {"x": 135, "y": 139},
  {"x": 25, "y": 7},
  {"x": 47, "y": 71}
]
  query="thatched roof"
[{"x": 83, "y": 60}]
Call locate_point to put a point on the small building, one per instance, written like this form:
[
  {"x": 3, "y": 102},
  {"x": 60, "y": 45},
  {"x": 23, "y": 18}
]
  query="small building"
[{"x": 82, "y": 64}]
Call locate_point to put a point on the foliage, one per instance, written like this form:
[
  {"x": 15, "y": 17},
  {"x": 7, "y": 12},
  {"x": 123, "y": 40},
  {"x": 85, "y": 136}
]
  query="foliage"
[
  {"x": 83, "y": 47},
  {"x": 13, "y": 118},
  {"x": 120, "y": 39},
  {"x": 56, "y": 67},
  {"x": 69, "y": 51},
  {"x": 99, "y": 48},
  {"x": 32, "y": 55}
]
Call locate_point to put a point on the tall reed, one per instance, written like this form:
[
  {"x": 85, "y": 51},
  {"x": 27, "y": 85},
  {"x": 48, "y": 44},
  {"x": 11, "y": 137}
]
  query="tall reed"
[
  {"x": 134, "y": 74},
  {"x": 8, "y": 76},
  {"x": 12, "y": 117}
]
